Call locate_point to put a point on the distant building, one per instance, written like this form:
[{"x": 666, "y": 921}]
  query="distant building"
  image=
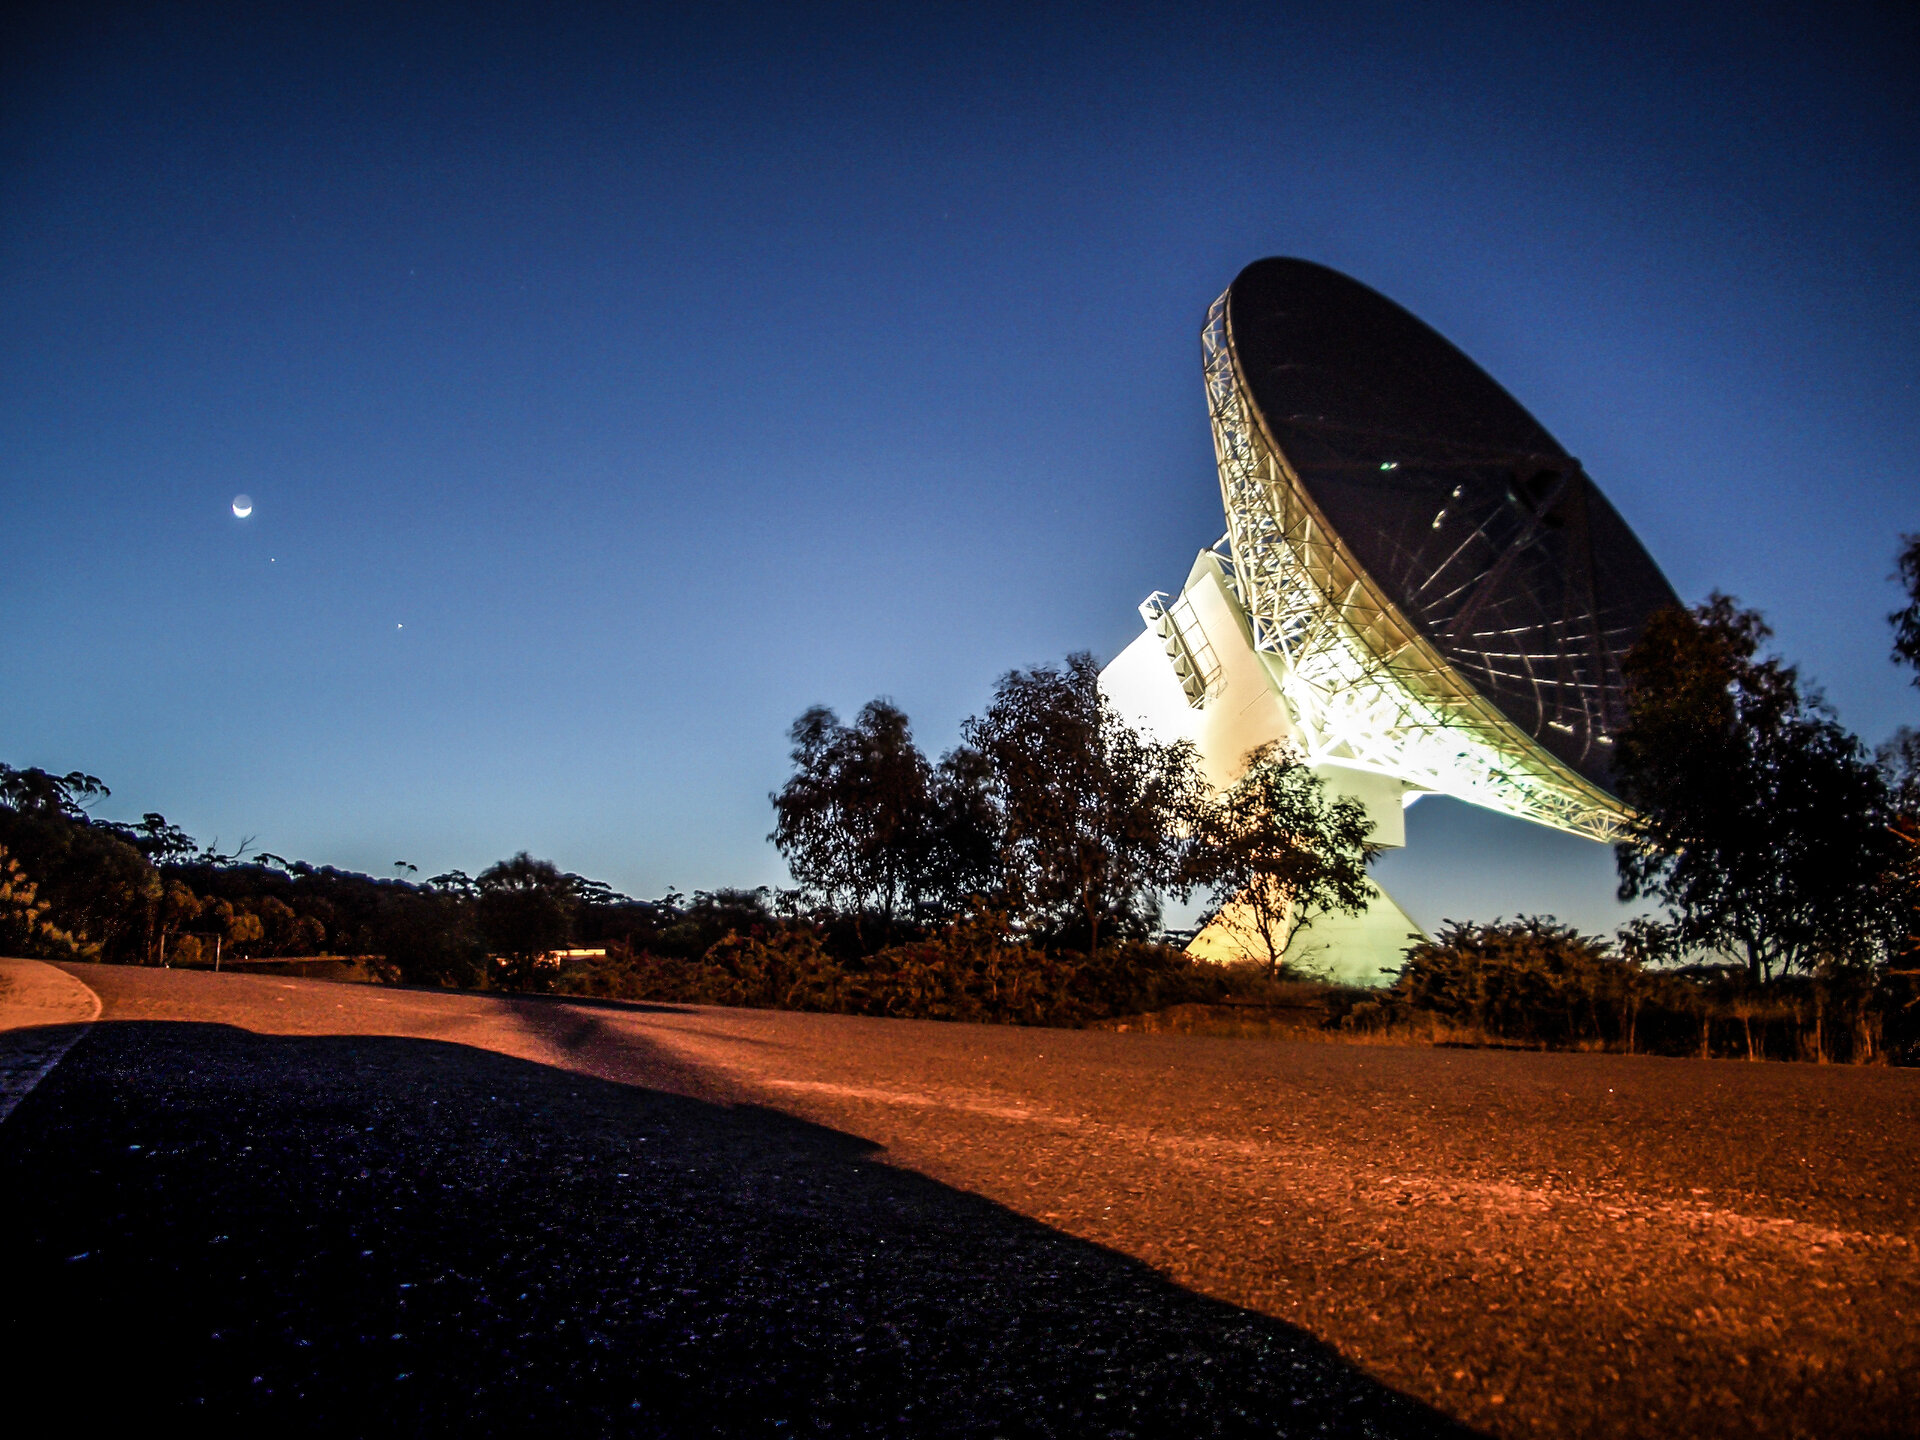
[{"x": 554, "y": 959}]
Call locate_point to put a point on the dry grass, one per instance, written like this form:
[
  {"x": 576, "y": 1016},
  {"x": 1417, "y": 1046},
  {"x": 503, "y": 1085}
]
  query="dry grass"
[{"x": 1306, "y": 1011}]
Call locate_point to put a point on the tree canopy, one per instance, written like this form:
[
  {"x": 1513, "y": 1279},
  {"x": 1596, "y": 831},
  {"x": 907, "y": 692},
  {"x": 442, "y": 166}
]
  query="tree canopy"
[
  {"x": 1759, "y": 821},
  {"x": 1279, "y": 853},
  {"x": 1091, "y": 813},
  {"x": 856, "y": 823},
  {"x": 1906, "y": 620},
  {"x": 526, "y": 909}
]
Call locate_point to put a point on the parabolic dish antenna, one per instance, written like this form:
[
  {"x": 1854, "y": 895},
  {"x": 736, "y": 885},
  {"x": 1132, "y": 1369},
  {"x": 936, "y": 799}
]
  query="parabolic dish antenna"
[
  {"x": 1418, "y": 588},
  {"x": 1371, "y": 469},
  {"x": 1449, "y": 592}
]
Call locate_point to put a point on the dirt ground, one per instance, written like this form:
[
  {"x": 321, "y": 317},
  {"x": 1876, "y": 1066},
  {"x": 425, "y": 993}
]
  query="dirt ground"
[{"x": 1091, "y": 1233}]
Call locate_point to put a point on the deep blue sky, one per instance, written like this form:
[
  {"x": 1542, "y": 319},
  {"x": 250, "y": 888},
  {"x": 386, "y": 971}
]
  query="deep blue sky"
[{"x": 662, "y": 374}]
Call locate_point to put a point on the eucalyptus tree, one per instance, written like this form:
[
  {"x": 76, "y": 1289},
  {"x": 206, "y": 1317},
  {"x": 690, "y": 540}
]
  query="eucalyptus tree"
[
  {"x": 1090, "y": 815},
  {"x": 525, "y": 908},
  {"x": 856, "y": 822},
  {"x": 963, "y": 857},
  {"x": 1906, "y": 621},
  {"x": 95, "y": 885},
  {"x": 1279, "y": 853},
  {"x": 1900, "y": 757},
  {"x": 1760, "y": 822}
]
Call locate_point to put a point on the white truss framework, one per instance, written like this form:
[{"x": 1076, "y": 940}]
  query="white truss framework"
[{"x": 1365, "y": 687}]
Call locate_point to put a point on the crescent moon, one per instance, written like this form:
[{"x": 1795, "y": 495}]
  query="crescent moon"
[{"x": 243, "y": 505}]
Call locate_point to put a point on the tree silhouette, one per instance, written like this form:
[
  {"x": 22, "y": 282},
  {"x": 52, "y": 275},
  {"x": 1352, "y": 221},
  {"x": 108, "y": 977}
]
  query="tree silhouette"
[
  {"x": 37, "y": 793},
  {"x": 1091, "y": 813},
  {"x": 1906, "y": 621},
  {"x": 1760, "y": 821},
  {"x": 526, "y": 911},
  {"x": 964, "y": 849},
  {"x": 1279, "y": 854},
  {"x": 856, "y": 821}
]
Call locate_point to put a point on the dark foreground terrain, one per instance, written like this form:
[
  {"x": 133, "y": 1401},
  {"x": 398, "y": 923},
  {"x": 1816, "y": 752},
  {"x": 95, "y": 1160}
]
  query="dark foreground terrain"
[{"x": 290, "y": 1205}]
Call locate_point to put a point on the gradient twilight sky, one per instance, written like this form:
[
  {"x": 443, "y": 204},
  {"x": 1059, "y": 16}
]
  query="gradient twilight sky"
[{"x": 613, "y": 383}]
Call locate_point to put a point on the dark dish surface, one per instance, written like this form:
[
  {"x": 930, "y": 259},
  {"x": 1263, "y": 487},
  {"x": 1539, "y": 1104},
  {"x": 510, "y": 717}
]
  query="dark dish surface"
[{"x": 1455, "y": 501}]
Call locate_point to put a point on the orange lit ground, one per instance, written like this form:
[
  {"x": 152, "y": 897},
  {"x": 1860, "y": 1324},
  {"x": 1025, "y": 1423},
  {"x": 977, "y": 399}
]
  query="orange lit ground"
[{"x": 1534, "y": 1244}]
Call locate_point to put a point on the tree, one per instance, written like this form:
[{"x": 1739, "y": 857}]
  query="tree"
[
  {"x": 964, "y": 848},
  {"x": 174, "y": 908},
  {"x": 162, "y": 842},
  {"x": 1091, "y": 813},
  {"x": 855, "y": 822},
  {"x": 1900, "y": 757},
  {"x": 596, "y": 894},
  {"x": 526, "y": 911},
  {"x": 1759, "y": 821},
  {"x": 1906, "y": 621},
  {"x": 286, "y": 931},
  {"x": 25, "y": 927},
  {"x": 427, "y": 937},
  {"x": 96, "y": 886},
  {"x": 1278, "y": 853},
  {"x": 1899, "y": 762},
  {"x": 241, "y": 927},
  {"x": 35, "y": 792}
]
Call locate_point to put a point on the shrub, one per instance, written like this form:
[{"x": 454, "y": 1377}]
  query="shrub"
[
  {"x": 970, "y": 970},
  {"x": 788, "y": 970},
  {"x": 1531, "y": 980},
  {"x": 26, "y": 928}
]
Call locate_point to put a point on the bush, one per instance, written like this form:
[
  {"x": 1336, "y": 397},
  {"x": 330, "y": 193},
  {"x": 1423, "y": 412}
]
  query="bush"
[
  {"x": 971, "y": 970},
  {"x": 25, "y": 926},
  {"x": 427, "y": 938},
  {"x": 1538, "y": 983},
  {"x": 1533, "y": 980},
  {"x": 790, "y": 970}
]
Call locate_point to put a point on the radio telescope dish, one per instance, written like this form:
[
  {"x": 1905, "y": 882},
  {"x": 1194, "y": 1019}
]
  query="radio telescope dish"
[
  {"x": 1460, "y": 510},
  {"x": 1447, "y": 592},
  {"x": 1419, "y": 589}
]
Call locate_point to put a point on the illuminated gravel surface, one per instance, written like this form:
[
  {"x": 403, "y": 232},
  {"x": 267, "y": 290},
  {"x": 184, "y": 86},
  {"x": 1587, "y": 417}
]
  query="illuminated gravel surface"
[{"x": 409, "y": 1212}]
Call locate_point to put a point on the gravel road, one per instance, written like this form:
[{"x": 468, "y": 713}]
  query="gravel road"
[{"x": 344, "y": 1209}]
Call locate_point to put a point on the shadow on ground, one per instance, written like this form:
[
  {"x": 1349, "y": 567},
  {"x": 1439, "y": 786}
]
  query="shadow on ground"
[{"x": 355, "y": 1235}]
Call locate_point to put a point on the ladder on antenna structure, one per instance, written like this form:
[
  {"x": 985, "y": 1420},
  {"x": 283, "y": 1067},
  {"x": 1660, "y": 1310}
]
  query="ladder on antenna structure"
[{"x": 1186, "y": 644}]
